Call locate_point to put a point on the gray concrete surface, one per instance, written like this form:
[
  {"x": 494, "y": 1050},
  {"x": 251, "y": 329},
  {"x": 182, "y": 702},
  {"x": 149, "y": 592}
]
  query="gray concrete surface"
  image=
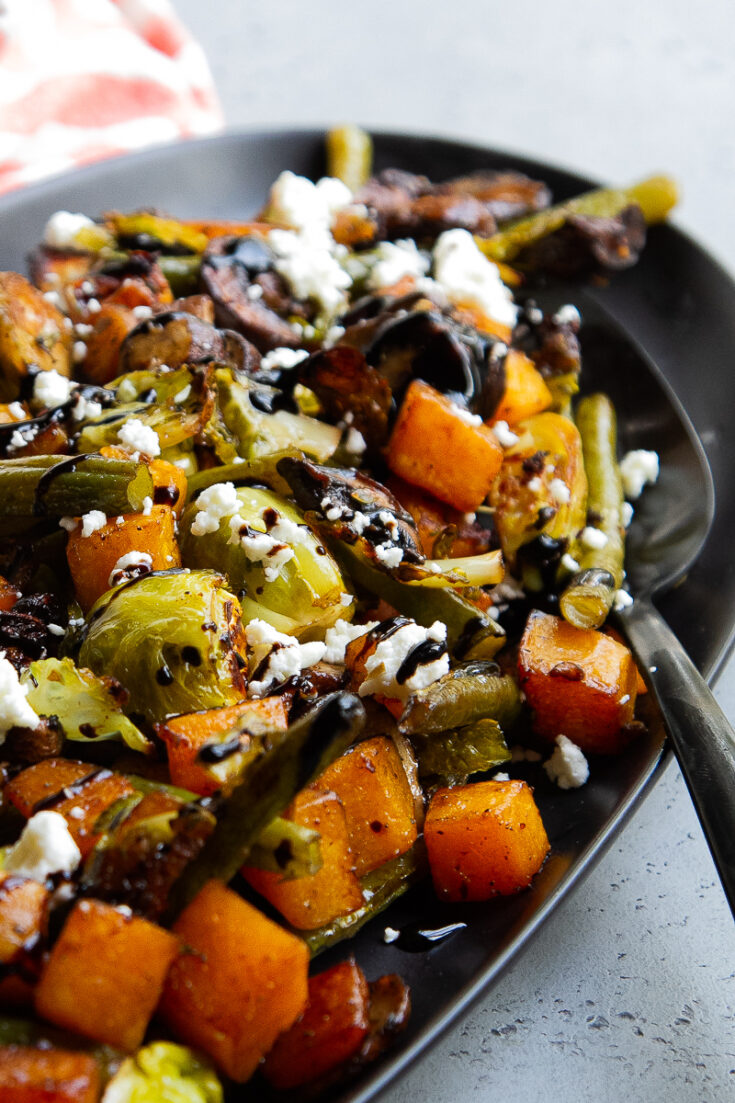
[{"x": 628, "y": 992}]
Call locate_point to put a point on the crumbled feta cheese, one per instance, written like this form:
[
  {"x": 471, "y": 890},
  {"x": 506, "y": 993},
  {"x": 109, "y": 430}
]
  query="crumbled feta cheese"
[
  {"x": 340, "y": 635},
  {"x": 501, "y": 777},
  {"x": 51, "y": 389},
  {"x": 382, "y": 666},
  {"x": 389, "y": 555},
  {"x": 15, "y": 409},
  {"x": 390, "y": 934},
  {"x": 140, "y": 437},
  {"x": 559, "y": 491},
  {"x": 297, "y": 202},
  {"x": 62, "y": 228},
  {"x": 76, "y": 813},
  {"x": 389, "y": 522},
  {"x": 54, "y": 298},
  {"x": 567, "y": 766},
  {"x": 82, "y": 329},
  {"x": 534, "y": 315},
  {"x": 147, "y": 506},
  {"x": 93, "y": 521},
  {"x": 505, "y": 436},
  {"x": 214, "y": 503},
  {"x": 87, "y": 287},
  {"x": 19, "y": 439},
  {"x": 142, "y": 563},
  {"x": 286, "y": 656},
  {"x": 14, "y": 709},
  {"x": 569, "y": 563},
  {"x": 535, "y": 484},
  {"x": 254, "y": 292},
  {"x": 466, "y": 275},
  {"x": 68, "y": 523},
  {"x": 333, "y": 336},
  {"x": 183, "y": 394},
  {"x": 260, "y": 547},
  {"x": 466, "y": 415},
  {"x": 359, "y": 522},
  {"x": 355, "y": 441},
  {"x": 45, "y": 847},
  {"x": 622, "y": 600},
  {"x": 394, "y": 260},
  {"x": 283, "y": 358},
  {"x": 592, "y": 538},
  {"x": 626, "y": 514},
  {"x": 142, "y": 312},
  {"x": 346, "y": 599},
  {"x": 55, "y": 629},
  {"x": 79, "y": 352},
  {"x": 624, "y": 699},
  {"x": 94, "y": 306},
  {"x": 86, "y": 408},
  {"x": 638, "y": 469},
  {"x": 310, "y": 269},
  {"x": 567, "y": 315}
]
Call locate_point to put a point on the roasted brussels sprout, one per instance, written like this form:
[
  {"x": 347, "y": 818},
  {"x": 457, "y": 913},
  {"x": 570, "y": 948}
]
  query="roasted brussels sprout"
[
  {"x": 172, "y": 638},
  {"x": 163, "y": 1070}
]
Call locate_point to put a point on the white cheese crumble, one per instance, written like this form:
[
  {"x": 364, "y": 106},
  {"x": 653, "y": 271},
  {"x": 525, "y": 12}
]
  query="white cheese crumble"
[
  {"x": 390, "y": 934},
  {"x": 62, "y": 228},
  {"x": 254, "y": 292},
  {"x": 135, "y": 559},
  {"x": 283, "y": 358},
  {"x": 68, "y": 523},
  {"x": 389, "y": 555},
  {"x": 147, "y": 506},
  {"x": 93, "y": 521},
  {"x": 15, "y": 409},
  {"x": 567, "y": 767},
  {"x": 394, "y": 260},
  {"x": 297, "y": 202},
  {"x": 55, "y": 299},
  {"x": 567, "y": 315},
  {"x": 382, "y": 666},
  {"x": 592, "y": 538},
  {"x": 260, "y": 547},
  {"x": 638, "y": 469},
  {"x": 51, "y": 389},
  {"x": 94, "y": 306},
  {"x": 337, "y": 638},
  {"x": 559, "y": 491},
  {"x": 505, "y": 436},
  {"x": 79, "y": 352},
  {"x": 14, "y": 709},
  {"x": 286, "y": 656},
  {"x": 569, "y": 563},
  {"x": 85, "y": 408},
  {"x": 467, "y": 276},
  {"x": 466, "y": 415},
  {"x": 214, "y": 503},
  {"x": 44, "y": 848},
  {"x": 626, "y": 514},
  {"x": 501, "y": 777},
  {"x": 310, "y": 268},
  {"x": 183, "y": 394},
  {"x": 355, "y": 441},
  {"x": 142, "y": 312},
  {"x": 622, "y": 600},
  {"x": 140, "y": 437},
  {"x": 388, "y": 520},
  {"x": 359, "y": 522}
]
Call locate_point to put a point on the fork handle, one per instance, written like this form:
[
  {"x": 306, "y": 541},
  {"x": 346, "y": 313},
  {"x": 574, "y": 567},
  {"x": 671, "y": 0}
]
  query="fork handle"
[{"x": 703, "y": 740}]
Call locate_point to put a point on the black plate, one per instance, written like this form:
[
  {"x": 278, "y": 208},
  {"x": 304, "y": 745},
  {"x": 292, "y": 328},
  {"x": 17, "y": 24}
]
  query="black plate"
[{"x": 678, "y": 305}]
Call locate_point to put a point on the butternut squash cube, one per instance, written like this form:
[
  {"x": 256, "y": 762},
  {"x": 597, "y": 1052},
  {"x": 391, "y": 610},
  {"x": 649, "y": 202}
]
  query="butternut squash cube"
[
  {"x": 22, "y": 913},
  {"x": 371, "y": 783},
  {"x": 525, "y": 391},
  {"x": 327, "y": 1034},
  {"x": 30, "y": 1075},
  {"x": 579, "y": 682},
  {"x": 437, "y": 448},
  {"x": 309, "y": 902},
  {"x": 242, "y": 983},
  {"x": 484, "y": 839},
  {"x": 105, "y": 974}
]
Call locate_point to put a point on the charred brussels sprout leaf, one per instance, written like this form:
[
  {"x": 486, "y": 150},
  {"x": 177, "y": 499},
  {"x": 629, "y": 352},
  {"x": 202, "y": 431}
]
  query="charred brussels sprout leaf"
[
  {"x": 164, "y": 1071},
  {"x": 451, "y": 757},
  {"x": 171, "y": 638},
  {"x": 307, "y": 587},
  {"x": 87, "y": 707}
]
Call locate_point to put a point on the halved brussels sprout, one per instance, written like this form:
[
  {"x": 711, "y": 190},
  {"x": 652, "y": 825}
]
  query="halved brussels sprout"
[
  {"x": 285, "y": 574},
  {"x": 172, "y": 638},
  {"x": 164, "y": 1071},
  {"x": 87, "y": 707}
]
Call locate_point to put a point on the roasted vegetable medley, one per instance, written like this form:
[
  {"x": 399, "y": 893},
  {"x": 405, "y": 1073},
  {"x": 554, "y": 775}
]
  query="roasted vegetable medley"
[{"x": 307, "y": 542}]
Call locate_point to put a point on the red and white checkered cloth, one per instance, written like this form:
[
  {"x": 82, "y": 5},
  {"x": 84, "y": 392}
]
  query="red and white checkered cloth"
[{"x": 85, "y": 79}]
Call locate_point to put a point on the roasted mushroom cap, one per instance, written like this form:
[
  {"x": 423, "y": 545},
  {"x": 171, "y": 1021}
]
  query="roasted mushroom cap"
[
  {"x": 232, "y": 268},
  {"x": 504, "y": 194},
  {"x": 346, "y": 384},
  {"x": 175, "y": 338}
]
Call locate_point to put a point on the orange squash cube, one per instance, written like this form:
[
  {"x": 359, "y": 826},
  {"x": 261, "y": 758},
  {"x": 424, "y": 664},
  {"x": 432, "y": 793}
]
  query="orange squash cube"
[
  {"x": 484, "y": 839},
  {"x": 22, "y": 913},
  {"x": 30, "y": 1075},
  {"x": 242, "y": 983},
  {"x": 525, "y": 391},
  {"x": 379, "y": 808},
  {"x": 309, "y": 902},
  {"x": 105, "y": 974},
  {"x": 185, "y": 735},
  {"x": 433, "y": 446},
  {"x": 579, "y": 682},
  {"x": 327, "y": 1034},
  {"x": 92, "y": 558}
]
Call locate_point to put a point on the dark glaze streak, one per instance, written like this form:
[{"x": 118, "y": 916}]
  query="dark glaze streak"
[
  {"x": 217, "y": 752},
  {"x": 73, "y": 790},
  {"x": 44, "y": 483},
  {"x": 422, "y": 654},
  {"x": 385, "y": 629},
  {"x": 164, "y": 677}
]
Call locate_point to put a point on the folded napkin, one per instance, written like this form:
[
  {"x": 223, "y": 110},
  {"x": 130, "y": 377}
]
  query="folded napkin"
[{"x": 85, "y": 79}]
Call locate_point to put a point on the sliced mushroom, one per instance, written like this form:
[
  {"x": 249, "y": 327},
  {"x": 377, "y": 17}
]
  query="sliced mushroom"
[
  {"x": 231, "y": 268},
  {"x": 503, "y": 194},
  {"x": 176, "y": 337},
  {"x": 345, "y": 383}
]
